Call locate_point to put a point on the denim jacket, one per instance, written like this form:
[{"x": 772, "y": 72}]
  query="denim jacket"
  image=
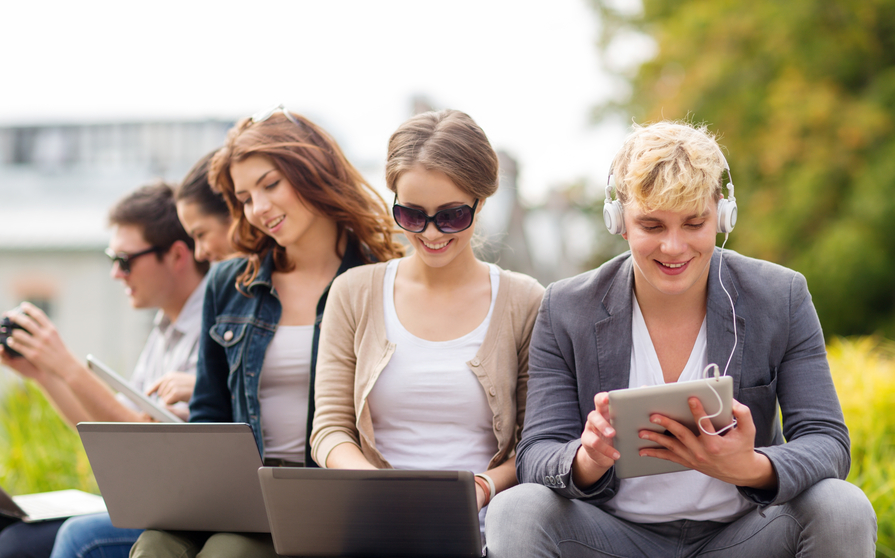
[{"x": 236, "y": 330}]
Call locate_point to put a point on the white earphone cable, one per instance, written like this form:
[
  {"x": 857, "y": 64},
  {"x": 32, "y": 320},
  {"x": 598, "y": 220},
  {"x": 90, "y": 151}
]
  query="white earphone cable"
[{"x": 705, "y": 373}]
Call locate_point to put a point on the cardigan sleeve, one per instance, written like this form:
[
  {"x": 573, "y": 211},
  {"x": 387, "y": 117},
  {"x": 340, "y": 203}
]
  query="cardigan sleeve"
[
  {"x": 532, "y": 303},
  {"x": 334, "y": 417}
]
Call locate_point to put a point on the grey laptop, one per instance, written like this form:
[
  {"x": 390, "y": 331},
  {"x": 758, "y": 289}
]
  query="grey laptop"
[
  {"x": 44, "y": 506},
  {"x": 630, "y": 409},
  {"x": 388, "y": 513},
  {"x": 186, "y": 476},
  {"x": 119, "y": 384}
]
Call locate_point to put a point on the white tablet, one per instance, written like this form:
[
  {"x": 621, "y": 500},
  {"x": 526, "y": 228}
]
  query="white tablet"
[
  {"x": 630, "y": 410},
  {"x": 45, "y": 506},
  {"x": 119, "y": 384}
]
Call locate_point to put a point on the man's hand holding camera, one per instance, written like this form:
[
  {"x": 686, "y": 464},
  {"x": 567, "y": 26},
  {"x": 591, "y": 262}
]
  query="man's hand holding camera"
[
  {"x": 34, "y": 337},
  {"x": 76, "y": 392}
]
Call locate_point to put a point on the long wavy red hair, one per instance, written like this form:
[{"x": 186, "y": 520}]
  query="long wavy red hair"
[{"x": 312, "y": 162}]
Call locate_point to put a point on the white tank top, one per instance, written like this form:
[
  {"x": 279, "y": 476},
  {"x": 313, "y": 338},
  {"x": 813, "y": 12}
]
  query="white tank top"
[
  {"x": 429, "y": 410},
  {"x": 283, "y": 392},
  {"x": 672, "y": 496}
]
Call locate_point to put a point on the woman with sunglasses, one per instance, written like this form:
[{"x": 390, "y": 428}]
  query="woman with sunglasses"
[
  {"x": 302, "y": 215},
  {"x": 424, "y": 360}
]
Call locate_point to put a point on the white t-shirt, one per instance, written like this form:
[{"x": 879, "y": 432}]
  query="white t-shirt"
[
  {"x": 283, "y": 392},
  {"x": 681, "y": 495},
  {"x": 429, "y": 410}
]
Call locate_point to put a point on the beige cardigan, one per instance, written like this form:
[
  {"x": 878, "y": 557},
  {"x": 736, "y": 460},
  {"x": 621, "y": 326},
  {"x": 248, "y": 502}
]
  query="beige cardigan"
[{"x": 354, "y": 350}]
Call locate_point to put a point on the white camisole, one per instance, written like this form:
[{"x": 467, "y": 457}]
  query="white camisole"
[{"x": 429, "y": 410}]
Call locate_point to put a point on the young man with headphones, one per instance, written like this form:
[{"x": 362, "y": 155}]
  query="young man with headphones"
[{"x": 662, "y": 313}]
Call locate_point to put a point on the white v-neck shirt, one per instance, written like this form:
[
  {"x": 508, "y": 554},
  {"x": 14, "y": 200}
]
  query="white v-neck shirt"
[{"x": 684, "y": 494}]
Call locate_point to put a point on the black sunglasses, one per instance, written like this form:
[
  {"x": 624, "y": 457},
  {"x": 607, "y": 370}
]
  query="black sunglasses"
[
  {"x": 124, "y": 259},
  {"x": 449, "y": 221}
]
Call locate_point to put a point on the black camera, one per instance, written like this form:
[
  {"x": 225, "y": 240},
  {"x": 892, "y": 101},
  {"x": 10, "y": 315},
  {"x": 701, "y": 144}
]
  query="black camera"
[{"x": 6, "y": 327}]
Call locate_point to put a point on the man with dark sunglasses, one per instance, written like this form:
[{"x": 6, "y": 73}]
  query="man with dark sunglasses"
[{"x": 152, "y": 255}]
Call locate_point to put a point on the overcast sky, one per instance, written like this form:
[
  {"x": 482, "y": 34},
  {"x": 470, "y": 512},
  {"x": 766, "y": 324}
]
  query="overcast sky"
[{"x": 527, "y": 71}]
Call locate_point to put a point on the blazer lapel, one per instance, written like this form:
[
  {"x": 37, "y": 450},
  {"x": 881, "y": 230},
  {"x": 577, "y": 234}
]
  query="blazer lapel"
[
  {"x": 720, "y": 325},
  {"x": 612, "y": 332}
]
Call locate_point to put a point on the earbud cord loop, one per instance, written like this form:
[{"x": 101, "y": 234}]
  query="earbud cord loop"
[{"x": 705, "y": 373}]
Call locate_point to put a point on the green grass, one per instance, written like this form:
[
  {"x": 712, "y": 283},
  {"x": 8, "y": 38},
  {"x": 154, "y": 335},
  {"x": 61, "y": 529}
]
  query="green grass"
[
  {"x": 864, "y": 371},
  {"x": 38, "y": 451}
]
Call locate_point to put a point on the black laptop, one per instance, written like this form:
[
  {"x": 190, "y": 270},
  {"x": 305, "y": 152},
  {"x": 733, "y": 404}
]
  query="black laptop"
[{"x": 386, "y": 513}]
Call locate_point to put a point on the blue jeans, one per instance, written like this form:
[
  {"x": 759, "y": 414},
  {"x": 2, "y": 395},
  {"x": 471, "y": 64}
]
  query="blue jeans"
[
  {"x": 833, "y": 518},
  {"x": 93, "y": 536},
  {"x": 27, "y": 540}
]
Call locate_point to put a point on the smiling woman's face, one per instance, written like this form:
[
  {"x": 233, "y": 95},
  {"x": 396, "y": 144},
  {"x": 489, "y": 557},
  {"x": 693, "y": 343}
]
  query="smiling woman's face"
[
  {"x": 270, "y": 203},
  {"x": 430, "y": 191},
  {"x": 209, "y": 232}
]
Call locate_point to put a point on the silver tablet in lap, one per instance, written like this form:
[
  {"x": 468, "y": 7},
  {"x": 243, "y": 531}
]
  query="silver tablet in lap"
[
  {"x": 630, "y": 410},
  {"x": 156, "y": 410}
]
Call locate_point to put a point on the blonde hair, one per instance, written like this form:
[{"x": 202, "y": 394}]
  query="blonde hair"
[
  {"x": 669, "y": 166},
  {"x": 448, "y": 141}
]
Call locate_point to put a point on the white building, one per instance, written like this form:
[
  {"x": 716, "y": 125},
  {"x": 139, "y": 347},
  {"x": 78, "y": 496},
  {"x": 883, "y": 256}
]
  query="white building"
[{"x": 57, "y": 183}]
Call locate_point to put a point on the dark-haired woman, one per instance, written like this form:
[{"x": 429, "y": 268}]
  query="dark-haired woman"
[
  {"x": 204, "y": 213},
  {"x": 302, "y": 215}
]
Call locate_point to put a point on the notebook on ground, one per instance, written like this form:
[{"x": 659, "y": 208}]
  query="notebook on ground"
[
  {"x": 44, "y": 506},
  {"x": 326, "y": 512},
  {"x": 186, "y": 476},
  {"x": 119, "y": 384}
]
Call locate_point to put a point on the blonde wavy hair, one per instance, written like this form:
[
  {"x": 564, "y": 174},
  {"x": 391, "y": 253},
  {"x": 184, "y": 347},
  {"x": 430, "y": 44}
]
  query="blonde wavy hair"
[{"x": 669, "y": 166}]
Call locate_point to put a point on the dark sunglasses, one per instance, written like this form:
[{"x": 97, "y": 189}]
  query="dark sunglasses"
[
  {"x": 449, "y": 221},
  {"x": 124, "y": 259}
]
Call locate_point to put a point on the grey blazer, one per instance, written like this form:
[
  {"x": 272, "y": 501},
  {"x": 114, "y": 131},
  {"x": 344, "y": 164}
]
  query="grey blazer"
[{"x": 581, "y": 345}]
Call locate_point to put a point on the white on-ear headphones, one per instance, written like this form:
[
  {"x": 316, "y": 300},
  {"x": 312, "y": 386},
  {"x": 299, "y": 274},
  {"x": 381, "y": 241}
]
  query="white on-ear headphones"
[{"x": 614, "y": 215}]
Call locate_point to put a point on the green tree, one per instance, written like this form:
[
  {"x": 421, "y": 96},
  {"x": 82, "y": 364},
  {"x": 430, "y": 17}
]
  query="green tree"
[{"x": 802, "y": 95}]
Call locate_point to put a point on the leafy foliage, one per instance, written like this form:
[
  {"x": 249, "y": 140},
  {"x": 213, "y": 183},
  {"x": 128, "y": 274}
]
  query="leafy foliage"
[
  {"x": 864, "y": 372},
  {"x": 803, "y": 95},
  {"x": 38, "y": 451}
]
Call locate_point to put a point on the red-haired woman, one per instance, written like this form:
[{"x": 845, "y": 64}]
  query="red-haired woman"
[{"x": 303, "y": 215}]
